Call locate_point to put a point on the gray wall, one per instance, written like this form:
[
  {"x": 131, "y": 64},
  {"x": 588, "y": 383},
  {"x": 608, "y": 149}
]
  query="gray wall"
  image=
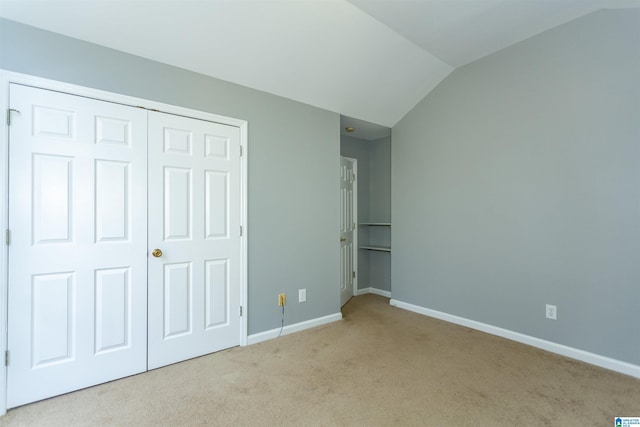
[
  {"x": 293, "y": 159},
  {"x": 380, "y": 181},
  {"x": 380, "y": 211},
  {"x": 516, "y": 183}
]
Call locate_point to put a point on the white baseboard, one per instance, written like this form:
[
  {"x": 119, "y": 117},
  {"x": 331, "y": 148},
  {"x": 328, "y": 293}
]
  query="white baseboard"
[
  {"x": 574, "y": 353},
  {"x": 374, "y": 291},
  {"x": 290, "y": 329}
]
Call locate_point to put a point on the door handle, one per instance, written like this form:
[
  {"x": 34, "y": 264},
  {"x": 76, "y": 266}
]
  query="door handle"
[
  {"x": 342, "y": 239},
  {"x": 156, "y": 253}
]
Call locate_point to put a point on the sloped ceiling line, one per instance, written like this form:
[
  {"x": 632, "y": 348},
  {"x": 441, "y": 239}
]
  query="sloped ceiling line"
[{"x": 372, "y": 60}]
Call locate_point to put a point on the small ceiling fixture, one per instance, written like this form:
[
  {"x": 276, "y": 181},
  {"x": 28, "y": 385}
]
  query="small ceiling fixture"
[{"x": 349, "y": 129}]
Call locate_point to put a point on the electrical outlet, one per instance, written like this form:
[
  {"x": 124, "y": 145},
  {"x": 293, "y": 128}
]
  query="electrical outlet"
[
  {"x": 552, "y": 312},
  {"x": 302, "y": 295},
  {"x": 282, "y": 299}
]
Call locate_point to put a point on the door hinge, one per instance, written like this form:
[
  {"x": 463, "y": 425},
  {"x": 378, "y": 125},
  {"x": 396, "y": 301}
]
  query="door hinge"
[
  {"x": 353, "y": 274},
  {"x": 240, "y": 231},
  {"x": 240, "y": 311},
  {"x": 241, "y": 151},
  {"x": 6, "y": 358},
  {"x": 9, "y": 111},
  {"x": 8, "y": 237}
]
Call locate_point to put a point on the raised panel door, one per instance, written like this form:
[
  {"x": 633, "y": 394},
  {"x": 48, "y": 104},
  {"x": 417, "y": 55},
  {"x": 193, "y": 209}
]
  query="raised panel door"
[
  {"x": 347, "y": 229},
  {"x": 194, "y": 206},
  {"x": 77, "y": 258}
]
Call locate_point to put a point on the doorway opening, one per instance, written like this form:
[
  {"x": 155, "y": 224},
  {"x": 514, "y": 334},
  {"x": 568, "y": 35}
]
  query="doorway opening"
[{"x": 370, "y": 146}]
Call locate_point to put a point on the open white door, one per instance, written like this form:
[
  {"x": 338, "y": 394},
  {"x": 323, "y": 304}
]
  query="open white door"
[
  {"x": 77, "y": 259},
  {"x": 348, "y": 236},
  {"x": 194, "y": 223}
]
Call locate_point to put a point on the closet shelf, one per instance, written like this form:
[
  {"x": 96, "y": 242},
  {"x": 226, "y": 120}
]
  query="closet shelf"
[{"x": 376, "y": 248}]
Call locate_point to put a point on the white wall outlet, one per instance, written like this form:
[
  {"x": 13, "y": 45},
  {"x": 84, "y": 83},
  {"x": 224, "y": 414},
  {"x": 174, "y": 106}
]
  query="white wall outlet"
[
  {"x": 302, "y": 295},
  {"x": 552, "y": 312}
]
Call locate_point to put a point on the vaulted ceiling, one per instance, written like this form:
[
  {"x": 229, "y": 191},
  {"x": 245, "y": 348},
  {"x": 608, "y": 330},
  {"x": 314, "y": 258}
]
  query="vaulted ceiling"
[{"x": 371, "y": 60}]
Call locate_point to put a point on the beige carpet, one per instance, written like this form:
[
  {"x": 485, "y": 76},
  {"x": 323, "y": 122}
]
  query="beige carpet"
[{"x": 380, "y": 366}]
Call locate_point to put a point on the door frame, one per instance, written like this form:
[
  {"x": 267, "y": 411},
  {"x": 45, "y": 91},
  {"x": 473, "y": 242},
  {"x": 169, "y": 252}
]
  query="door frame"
[
  {"x": 8, "y": 77},
  {"x": 356, "y": 231}
]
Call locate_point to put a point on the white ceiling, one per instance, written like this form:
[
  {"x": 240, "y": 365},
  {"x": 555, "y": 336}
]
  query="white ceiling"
[
  {"x": 372, "y": 60},
  {"x": 461, "y": 31}
]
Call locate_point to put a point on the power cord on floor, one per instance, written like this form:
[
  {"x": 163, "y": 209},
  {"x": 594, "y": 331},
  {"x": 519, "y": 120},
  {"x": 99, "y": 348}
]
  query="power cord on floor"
[{"x": 281, "y": 322}]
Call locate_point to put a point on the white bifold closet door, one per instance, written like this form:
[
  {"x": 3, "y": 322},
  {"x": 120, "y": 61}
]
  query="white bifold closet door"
[
  {"x": 85, "y": 215},
  {"x": 77, "y": 258},
  {"x": 194, "y": 219}
]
